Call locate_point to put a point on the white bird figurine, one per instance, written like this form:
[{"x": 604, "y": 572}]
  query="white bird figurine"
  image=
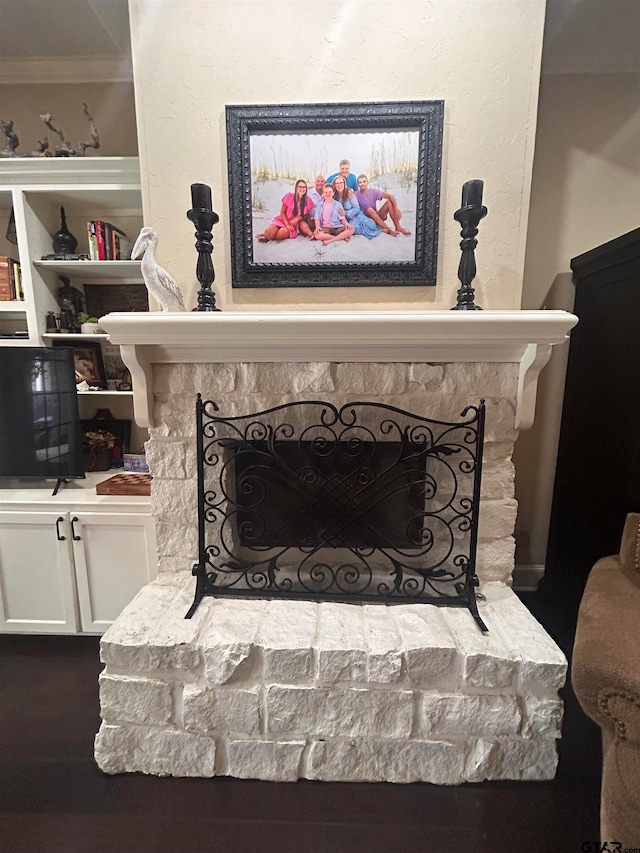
[{"x": 157, "y": 280}]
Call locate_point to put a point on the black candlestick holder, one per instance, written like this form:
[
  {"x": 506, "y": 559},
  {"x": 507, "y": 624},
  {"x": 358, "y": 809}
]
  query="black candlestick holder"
[
  {"x": 204, "y": 218},
  {"x": 469, "y": 216}
]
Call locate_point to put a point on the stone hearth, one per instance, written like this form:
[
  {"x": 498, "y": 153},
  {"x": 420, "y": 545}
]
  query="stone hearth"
[
  {"x": 283, "y": 690},
  {"x": 286, "y": 690}
]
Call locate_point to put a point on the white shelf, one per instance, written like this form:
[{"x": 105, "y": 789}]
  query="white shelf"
[
  {"x": 105, "y": 393},
  {"x": 70, "y": 336},
  {"x": 76, "y": 492},
  {"x": 12, "y": 307},
  {"x": 94, "y": 270}
]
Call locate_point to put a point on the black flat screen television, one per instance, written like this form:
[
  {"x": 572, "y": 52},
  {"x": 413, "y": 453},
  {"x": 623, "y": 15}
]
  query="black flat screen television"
[{"x": 40, "y": 436}]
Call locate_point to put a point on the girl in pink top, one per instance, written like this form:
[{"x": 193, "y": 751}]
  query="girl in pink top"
[{"x": 296, "y": 206}]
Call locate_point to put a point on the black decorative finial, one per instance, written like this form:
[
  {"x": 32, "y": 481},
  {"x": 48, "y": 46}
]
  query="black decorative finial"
[
  {"x": 204, "y": 218},
  {"x": 469, "y": 215}
]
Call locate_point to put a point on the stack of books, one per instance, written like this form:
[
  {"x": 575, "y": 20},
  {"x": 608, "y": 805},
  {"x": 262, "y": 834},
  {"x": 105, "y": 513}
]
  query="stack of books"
[
  {"x": 10, "y": 280},
  {"x": 106, "y": 242}
]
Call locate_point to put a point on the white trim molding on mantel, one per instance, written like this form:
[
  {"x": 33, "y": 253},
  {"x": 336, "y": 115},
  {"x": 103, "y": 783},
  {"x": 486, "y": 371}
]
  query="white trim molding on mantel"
[{"x": 523, "y": 337}]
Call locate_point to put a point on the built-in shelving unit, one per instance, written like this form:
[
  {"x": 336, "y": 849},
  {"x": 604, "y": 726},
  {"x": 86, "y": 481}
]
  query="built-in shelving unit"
[
  {"x": 89, "y": 188},
  {"x": 100, "y": 549},
  {"x": 69, "y": 563}
]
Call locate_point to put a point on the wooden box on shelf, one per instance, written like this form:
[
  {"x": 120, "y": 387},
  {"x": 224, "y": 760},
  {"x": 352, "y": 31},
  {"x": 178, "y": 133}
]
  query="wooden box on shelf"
[{"x": 126, "y": 484}]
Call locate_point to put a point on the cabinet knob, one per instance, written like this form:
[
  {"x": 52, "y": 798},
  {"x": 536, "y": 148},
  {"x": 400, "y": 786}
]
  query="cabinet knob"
[
  {"x": 58, "y": 534},
  {"x": 73, "y": 530}
]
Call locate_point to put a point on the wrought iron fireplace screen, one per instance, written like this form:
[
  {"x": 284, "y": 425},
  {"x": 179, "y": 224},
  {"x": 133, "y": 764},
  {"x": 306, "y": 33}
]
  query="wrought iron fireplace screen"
[{"x": 362, "y": 503}]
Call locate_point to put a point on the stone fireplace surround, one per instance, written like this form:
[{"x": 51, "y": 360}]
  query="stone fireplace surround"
[{"x": 283, "y": 690}]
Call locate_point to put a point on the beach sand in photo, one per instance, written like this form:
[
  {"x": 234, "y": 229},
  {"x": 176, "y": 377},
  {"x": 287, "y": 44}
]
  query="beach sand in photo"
[{"x": 360, "y": 250}]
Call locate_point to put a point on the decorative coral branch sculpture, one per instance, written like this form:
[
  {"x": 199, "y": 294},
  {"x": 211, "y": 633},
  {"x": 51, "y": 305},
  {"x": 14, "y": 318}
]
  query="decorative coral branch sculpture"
[
  {"x": 65, "y": 149},
  {"x": 9, "y": 149}
]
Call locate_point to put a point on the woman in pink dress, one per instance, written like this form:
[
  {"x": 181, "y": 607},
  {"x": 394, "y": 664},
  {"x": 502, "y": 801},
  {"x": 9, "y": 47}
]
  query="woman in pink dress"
[{"x": 296, "y": 207}]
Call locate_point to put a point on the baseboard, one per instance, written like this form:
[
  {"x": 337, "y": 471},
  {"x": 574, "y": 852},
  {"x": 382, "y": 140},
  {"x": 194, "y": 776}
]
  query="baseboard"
[{"x": 527, "y": 577}]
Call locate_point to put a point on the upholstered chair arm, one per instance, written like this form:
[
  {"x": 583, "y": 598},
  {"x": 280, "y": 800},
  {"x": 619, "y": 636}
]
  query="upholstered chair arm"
[
  {"x": 606, "y": 678},
  {"x": 606, "y": 657}
]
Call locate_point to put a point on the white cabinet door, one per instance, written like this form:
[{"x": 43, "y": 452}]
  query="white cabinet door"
[
  {"x": 115, "y": 556},
  {"x": 37, "y": 587}
]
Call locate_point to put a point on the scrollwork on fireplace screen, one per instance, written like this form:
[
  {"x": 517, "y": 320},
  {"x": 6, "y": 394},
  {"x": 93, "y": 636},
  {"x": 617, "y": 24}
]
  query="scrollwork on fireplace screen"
[{"x": 365, "y": 502}]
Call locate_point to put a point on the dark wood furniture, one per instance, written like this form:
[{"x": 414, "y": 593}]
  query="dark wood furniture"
[{"x": 598, "y": 468}]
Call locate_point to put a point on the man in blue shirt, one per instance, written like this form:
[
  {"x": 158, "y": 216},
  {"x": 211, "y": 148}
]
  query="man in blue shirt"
[
  {"x": 350, "y": 178},
  {"x": 315, "y": 194}
]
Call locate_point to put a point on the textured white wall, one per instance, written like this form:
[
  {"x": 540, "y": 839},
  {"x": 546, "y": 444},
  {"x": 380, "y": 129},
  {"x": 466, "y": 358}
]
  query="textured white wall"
[
  {"x": 586, "y": 177},
  {"x": 585, "y": 191},
  {"x": 192, "y": 57}
]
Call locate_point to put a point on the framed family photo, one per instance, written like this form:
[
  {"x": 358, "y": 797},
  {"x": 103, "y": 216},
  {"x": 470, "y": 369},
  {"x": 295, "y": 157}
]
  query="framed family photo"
[
  {"x": 334, "y": 195},
  {"x": 87, "y": 359}
]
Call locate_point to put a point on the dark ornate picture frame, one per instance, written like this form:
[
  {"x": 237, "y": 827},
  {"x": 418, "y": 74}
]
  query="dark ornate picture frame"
[
  {"x": 426, "y": 118},
  {"x": 87, "y": 357}
]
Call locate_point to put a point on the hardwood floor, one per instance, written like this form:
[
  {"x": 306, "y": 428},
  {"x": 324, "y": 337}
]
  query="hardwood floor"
[{"x": 54, "y": 799}]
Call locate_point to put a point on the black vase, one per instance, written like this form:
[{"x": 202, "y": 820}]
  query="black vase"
[{"x": 64, "y": 243}]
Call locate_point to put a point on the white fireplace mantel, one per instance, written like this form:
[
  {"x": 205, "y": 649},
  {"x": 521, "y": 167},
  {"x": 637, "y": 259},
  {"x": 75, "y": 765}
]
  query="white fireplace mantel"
[{"x": 523, "y": 337}]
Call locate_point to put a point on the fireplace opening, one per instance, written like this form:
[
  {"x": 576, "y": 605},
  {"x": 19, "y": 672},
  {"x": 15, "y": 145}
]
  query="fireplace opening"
[
  {"x": 367, "y": 502},
  {"x": 332, "y": 502}
]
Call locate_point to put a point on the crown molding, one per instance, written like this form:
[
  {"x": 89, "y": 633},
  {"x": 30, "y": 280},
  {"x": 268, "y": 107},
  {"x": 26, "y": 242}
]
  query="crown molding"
[
  {"x": 51, "y": 172},
  {"x": 66, "y": 69}
]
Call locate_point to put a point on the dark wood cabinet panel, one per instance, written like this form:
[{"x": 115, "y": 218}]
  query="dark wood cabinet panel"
[{"x": 598, "y": 468}]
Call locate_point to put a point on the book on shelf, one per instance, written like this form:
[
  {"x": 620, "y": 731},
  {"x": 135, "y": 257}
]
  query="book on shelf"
[
  {"x": 122, "y": 247},
  {"x": 109, "y": 247},
  {"x": 93, "y": 241},
  {"x": 107, "y": 242},
  {"x": 5, "y": 287},
  {"x": 102, "y": 255},
  {"x": 17, "y": 278},
  {"x": 10, "y": 280}
]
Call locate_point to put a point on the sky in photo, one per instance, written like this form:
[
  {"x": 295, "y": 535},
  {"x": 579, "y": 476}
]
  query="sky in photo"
[{"x": 306, "y": 155}]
